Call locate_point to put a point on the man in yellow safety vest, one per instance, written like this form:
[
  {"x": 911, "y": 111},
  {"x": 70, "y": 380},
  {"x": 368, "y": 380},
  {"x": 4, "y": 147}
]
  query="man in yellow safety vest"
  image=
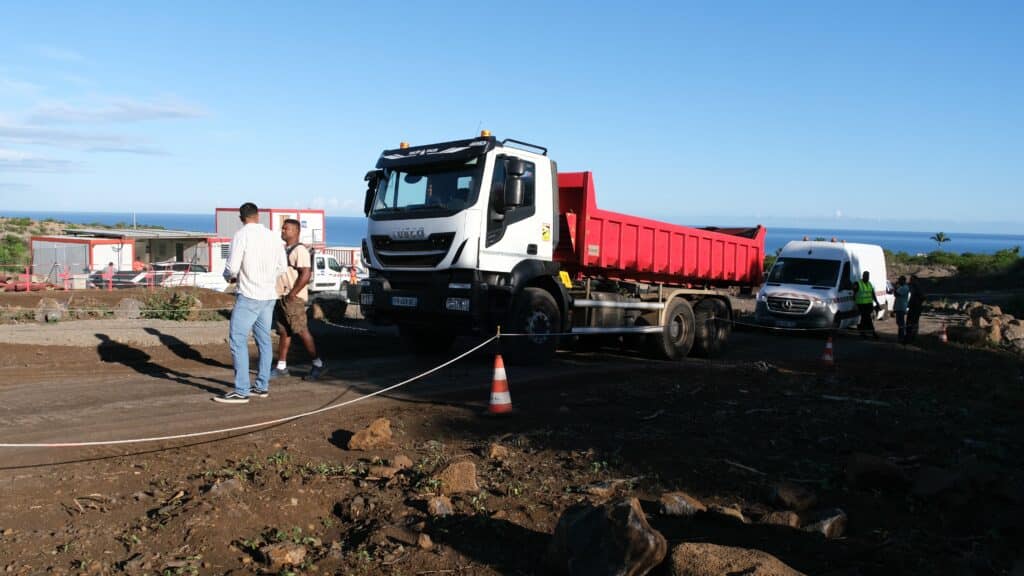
[{"x": 863, "y": 297}]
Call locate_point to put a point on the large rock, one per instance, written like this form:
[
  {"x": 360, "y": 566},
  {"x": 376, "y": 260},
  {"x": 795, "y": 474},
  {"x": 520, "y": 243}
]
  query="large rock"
[
  {"x": 703, "y": 559},
  {"x": 782, "y": 518},
  {"x": 440, "y": 506},
  {"x": 226, "y": 488},
  {"x": 497, "y": 452},
  {"x": 128, "y": 309},
  {"x": 1013, "y": 332},
  {"x": 793, "y": 496},
  {"x": 610, "y": 539},
  {"x": 458, "y": 478},
  {"x": 402, "y": 462},
  {"x": 385, "y": 472},
  {"x": 680, "y": 504},
  {"x": 994, "y": 333},
  {"x": 284, "y": 554},
  {"x": 729, "y": 512},
  {"x": 984, "y": 312},
  {"x": 829, "y": 523},
  {"x": 870, "y": 471},
  {"x": 376, "y": 435},
  {"x": 49, "y": 310}
]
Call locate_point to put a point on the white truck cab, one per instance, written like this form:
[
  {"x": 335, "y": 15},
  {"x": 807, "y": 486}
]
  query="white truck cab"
[{"x": 811, "y": 285}]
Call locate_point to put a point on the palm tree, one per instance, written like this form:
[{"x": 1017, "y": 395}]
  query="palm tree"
[{"x": 940, "y": 238}]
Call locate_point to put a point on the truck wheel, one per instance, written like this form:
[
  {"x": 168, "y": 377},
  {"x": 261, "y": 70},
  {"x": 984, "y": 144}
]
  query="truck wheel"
[
  {"x": 713, "y": 327},
  {"x": 426, "y": 341},
  {"x": 537, "y": 314},
  {"x": 676, "y": 337}
]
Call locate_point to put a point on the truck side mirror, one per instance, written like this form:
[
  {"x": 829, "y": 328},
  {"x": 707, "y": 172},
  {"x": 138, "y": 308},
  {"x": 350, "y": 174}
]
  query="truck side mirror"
[
  {"x": 513, "y": 192},
  {"x": 372, "y": 179}
]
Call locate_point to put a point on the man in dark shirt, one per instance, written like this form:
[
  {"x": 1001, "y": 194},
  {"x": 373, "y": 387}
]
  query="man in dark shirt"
[{"x": 914, "y": 306}]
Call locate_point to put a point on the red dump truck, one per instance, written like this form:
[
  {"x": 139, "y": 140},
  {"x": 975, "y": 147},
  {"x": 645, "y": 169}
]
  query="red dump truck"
[{"x": 473, "y": 234}]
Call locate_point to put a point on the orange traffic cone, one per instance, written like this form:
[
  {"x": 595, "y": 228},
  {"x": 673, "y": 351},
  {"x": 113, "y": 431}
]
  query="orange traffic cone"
[
  {"x": 943, "y": 337},
  {"x": 826, "y": 358},
  {"x": 501, "y": 400}
]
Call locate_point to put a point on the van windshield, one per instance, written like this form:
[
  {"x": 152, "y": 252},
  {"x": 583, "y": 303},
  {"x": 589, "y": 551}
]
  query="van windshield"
[{"x": 807, "y": 271}]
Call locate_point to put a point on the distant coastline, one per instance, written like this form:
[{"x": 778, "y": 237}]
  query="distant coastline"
[{"x": 349, "y": 230}]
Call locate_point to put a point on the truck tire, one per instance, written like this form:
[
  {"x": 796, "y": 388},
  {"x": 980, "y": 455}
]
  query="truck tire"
[
  {"x": 535, "y": 312},
  {"x": 677, "y": 335},
  {"x": 713, "y": 327},
  {"x": 426, "y": 341}
]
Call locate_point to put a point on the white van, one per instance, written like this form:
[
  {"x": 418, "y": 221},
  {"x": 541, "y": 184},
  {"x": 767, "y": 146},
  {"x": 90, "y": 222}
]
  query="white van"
[
  {"x": 328, "y": 274},
  {"x": 812, "y": 282}
]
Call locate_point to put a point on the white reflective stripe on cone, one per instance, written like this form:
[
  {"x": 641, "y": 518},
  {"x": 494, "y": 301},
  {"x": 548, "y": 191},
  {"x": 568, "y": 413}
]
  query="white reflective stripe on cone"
[
  {"x": 501, "y": 398},
  {"x": 499, "y": 373}
]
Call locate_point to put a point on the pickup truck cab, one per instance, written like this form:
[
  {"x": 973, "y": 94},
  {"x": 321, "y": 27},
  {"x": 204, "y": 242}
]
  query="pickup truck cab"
[{"x": 328, "y": 274}]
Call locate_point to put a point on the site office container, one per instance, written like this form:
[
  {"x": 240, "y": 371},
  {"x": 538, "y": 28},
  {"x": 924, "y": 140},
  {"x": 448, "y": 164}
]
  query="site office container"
[{"x": 312, "y": 223}]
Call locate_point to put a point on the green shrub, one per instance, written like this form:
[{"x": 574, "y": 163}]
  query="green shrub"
[
  {"x": 170, "y": 305},
  {"x": 14, "y": 250}
]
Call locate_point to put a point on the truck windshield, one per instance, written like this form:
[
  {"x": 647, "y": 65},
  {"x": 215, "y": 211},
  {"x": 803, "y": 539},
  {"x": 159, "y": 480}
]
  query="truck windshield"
[
  {"x": 806, "y": 271},
  {"x": 426, "y": 191}
]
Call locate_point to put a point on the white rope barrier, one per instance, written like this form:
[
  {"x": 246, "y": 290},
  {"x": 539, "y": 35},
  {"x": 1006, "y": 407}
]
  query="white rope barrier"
[{"x": 250, "y": 426}]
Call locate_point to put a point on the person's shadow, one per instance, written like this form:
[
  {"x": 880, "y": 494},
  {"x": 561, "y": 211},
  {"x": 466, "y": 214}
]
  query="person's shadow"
[
  {"x": 112, "y": 351},
  {"x": 184, "y": 350}
]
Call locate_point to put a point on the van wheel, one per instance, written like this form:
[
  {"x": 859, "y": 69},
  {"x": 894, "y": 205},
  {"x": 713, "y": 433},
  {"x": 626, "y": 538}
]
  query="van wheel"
[
  {"x": 426, "y": 341},
  {"x": 677, "y": 334},
  {"x": 713, "y": 327},
  {"x": 535, "y": 313}
]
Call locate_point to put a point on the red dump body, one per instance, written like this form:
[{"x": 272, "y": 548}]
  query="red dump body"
[{"x": 595, "y": 242}]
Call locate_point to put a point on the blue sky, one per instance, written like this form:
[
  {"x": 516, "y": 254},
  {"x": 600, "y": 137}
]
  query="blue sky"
[{"x": 888, "y": 114}]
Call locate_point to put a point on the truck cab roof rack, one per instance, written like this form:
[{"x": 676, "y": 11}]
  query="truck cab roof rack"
[{"x": 543, "y": 150}]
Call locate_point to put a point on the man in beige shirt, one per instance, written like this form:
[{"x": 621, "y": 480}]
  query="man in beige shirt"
[{"x": 290, "y": 313}]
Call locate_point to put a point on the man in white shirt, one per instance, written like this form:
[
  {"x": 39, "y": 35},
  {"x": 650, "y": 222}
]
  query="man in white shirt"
[{"x": 256, "y": 260}]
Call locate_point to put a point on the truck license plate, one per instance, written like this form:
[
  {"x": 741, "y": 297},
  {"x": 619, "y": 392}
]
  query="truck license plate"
[
  {"x": 404, "y": 301},
  {"x": 785, "y": 323}
]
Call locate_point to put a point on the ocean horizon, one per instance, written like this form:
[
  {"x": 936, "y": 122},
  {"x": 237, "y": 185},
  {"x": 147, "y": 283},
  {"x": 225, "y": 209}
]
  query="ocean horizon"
[{"x": 349, "y": 230}]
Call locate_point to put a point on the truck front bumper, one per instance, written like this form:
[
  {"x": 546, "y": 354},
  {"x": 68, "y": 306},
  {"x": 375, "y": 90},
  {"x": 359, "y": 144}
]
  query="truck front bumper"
[{"x": 459, "y": 298}]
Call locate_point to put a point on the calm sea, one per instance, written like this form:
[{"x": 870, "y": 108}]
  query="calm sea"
[{"x": 348, "y": 230}]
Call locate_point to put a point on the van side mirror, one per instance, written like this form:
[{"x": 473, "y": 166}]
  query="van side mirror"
[{"x": 372, "y": 179}]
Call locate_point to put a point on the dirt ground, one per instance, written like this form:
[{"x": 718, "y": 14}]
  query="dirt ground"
[{"x": 940, "y": 422}]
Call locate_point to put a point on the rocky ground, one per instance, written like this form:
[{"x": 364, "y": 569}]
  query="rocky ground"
[{"x": 898, "y": 459}]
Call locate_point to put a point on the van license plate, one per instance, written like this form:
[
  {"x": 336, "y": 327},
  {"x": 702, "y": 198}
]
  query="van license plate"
[
  {"x": 785, "y": 323},
  {"x": 404, "y": 301}
]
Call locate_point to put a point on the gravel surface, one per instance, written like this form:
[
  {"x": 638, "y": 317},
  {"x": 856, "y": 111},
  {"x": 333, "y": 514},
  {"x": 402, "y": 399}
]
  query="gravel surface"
[{"x": 83, "y": 332}]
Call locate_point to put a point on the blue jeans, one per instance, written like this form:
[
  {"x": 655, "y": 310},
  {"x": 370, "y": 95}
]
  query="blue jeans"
[
  {"x": 901, "y": 325},
  {"x": 254, "y": 316}
]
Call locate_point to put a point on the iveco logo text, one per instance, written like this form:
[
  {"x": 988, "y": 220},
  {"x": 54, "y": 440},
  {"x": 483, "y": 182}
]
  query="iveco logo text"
[{"x": 409, "y": 234}]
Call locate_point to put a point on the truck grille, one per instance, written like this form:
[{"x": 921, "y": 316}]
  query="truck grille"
[
  {"x": 788, "y": 305},
  {"x": 425, "y": 253}
]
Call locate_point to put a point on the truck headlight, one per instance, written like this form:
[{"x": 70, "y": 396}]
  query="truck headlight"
[
  {"x": 762, "y": 297},
  {"x": 457, "y": 304},
  {"x": 366, "y": 298}
]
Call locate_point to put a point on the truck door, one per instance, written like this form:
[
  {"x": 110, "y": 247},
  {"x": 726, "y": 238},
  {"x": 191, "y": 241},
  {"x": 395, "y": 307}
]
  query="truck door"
[
  {"x": 517, "y": 233},
  {"x": 320, "y": 279}
]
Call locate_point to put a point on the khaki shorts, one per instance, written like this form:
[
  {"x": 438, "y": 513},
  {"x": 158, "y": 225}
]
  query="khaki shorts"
[{"x": 290, "y": 318}]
